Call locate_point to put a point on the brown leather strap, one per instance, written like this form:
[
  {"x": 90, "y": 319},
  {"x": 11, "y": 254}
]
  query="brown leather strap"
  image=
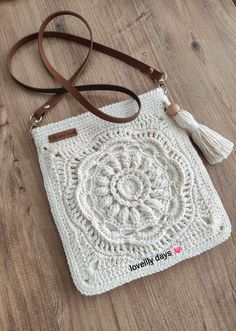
[{"x": 67, "y": 84}]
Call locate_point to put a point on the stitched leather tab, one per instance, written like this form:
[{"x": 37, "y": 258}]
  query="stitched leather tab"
[{"x": 62, "y": 135}]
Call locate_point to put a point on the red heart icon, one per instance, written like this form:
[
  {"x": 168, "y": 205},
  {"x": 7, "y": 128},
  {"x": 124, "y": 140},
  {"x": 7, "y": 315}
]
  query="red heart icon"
[{"x": 177, "y": 249}]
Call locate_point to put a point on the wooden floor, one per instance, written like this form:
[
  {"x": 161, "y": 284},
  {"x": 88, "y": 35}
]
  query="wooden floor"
[{"x": 195, "y": 43}]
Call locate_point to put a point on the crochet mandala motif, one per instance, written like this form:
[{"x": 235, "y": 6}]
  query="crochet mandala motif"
[
  {"x": 123, "y": 193},
  {"x": 129, "y": 189}
]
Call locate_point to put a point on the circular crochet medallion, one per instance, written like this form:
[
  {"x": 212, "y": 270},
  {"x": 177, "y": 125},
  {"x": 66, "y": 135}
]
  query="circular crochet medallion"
[
  {"x": 135, "y": 189},
  {"x": 129, "y": 187}
]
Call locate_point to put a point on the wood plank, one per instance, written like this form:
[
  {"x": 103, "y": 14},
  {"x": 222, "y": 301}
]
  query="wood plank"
[{"x": 194, "y": 42}]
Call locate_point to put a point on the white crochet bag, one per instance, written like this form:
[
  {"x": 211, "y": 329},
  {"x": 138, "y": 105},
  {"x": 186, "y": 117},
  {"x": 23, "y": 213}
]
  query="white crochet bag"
[{"x": 129, "y": 199}]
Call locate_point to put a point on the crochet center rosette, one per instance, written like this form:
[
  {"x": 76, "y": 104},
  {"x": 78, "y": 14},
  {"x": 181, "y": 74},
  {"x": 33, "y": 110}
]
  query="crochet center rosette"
[{"x": 122, "y": 195}]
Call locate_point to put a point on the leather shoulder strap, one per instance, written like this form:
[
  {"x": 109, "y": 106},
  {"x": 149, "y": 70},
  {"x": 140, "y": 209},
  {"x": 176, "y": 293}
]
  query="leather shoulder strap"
[{"x": 67, "y": 85}]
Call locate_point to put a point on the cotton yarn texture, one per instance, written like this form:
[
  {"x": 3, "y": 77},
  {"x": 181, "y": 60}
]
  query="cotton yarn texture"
[{"x": 122, "y": 193}]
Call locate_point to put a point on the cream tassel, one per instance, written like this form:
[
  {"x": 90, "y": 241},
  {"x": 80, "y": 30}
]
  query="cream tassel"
[{"x": 214, "y": 147}]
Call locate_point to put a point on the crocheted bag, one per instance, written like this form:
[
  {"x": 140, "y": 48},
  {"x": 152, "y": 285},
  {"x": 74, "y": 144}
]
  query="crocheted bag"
[{"x": 128, "y": 199}]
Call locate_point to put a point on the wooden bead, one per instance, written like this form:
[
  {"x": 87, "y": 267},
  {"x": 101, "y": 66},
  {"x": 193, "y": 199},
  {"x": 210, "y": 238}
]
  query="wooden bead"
[{"x": 173, "y": 109}]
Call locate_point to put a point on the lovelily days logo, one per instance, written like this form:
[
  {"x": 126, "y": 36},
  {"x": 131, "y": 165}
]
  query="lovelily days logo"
[{"x": 149, "y": 261}]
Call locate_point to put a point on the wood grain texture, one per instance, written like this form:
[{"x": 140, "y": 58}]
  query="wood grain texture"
[{"x": 194, "y": 42}]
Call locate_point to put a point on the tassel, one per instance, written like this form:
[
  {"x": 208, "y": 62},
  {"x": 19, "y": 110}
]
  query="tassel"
[{"x": 214, "y": 147}]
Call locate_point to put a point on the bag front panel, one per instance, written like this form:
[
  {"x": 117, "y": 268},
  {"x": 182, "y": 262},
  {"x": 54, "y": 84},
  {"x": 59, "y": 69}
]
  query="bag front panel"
[{"x": 130, "y": 199}]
